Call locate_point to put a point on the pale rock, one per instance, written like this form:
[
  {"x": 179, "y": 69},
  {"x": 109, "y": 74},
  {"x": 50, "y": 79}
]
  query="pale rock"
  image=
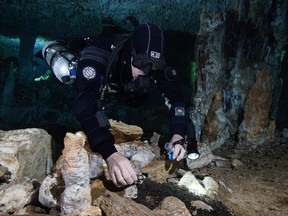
[
  {"x": 53, "y": 182},
  {"x": 159, "y": 169},
  {"x": 95, "y": 165},
  {"x": 172, "y": 206},
  {"x": 75, "y": 199},
  {"x": 17, "y": 194},
  {"x": 19, "y": 146},
  {"x": 90, "y": 211},
  {"x": 114, "y": 205},
  {"x": 131, "y": 192},
  {"x": 201, "y": 205},
  {"x": 75, "y": 172},
  {"x": 139, "y": 152},
  {"x": 211, "y": 187},
  {"x": 236, "y": 164},
  {"x": 27, "y": 157},
  {"x": 124, "y": 133},
  {"x": 194, "y": 186},
  {"x": 143, "y": 157}
]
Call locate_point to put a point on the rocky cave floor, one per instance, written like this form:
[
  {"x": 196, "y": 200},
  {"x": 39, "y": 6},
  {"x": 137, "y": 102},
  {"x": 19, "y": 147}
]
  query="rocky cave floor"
[{"x": 259, "y": 186}]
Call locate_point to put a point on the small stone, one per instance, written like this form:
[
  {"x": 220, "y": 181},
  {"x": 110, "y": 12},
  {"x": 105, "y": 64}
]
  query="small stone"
[
  {"x": 201, "y": 205},
  {"x": 211, "y": 187},
  {"x": 236, "y": 164},
  {"x": 131, "y": 192},
  {"x": 193, "y": 185},
  {"x": 173, "y": 207}
]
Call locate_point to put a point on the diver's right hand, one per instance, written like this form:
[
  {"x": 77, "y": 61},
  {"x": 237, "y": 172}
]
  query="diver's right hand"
[{"x": 120, "y": 170}]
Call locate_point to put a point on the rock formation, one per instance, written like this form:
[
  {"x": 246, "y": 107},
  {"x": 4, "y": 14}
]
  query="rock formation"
[
  {"x": 26, "y": 158},
  {"x": 75, "y": 172}
]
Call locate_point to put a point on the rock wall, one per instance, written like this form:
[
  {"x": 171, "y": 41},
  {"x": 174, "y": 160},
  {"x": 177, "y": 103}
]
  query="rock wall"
[{"x": 238, "y": 64}]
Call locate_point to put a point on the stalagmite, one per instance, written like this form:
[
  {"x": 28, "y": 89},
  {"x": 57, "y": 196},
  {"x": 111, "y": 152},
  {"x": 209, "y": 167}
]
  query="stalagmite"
[{"x": 75, "y": 172}]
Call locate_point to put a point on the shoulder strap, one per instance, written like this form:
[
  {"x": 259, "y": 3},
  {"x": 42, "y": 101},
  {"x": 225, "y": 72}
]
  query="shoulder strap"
[{"x": 111, "y": 59}]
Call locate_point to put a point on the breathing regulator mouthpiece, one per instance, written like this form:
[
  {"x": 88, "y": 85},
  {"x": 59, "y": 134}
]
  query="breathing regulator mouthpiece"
[{"x": 61, "y": 60}]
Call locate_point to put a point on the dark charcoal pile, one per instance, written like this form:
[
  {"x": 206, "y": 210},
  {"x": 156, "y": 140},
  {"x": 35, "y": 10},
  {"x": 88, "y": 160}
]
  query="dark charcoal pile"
[{"x": 151, "y": 194}]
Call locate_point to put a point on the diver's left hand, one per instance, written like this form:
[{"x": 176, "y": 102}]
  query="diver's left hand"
[{"x": 179, "y": 150}]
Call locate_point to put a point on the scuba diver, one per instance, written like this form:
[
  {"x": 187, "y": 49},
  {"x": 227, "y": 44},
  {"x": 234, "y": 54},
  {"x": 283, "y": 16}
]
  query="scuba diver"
[{"x": 107, "y": 63}]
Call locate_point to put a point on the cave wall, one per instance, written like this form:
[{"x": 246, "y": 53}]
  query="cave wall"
[{"x": 238, "y": 54}]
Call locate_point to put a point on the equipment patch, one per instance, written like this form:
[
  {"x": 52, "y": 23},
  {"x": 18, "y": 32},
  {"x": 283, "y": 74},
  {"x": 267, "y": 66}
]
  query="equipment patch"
[
  {"x": 154, "y": 54},
  {"x": 179, "y": 111},
  {"x": 89, "y": 72}
]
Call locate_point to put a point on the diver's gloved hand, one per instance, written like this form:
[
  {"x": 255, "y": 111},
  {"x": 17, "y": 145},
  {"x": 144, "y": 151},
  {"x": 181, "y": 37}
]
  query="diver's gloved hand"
[
  {"x": 179, "y": 149},
  {"x": 120, "y": 170}
]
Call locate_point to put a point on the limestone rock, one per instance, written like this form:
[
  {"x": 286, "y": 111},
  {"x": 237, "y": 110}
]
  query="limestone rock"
[
  {"x": 143, "y": 157},
  {"x": 96, "y": 163},
  {"x": 137, "y": 151},
  {"x": 159, "y": 170},
  {"x": 236, "y": 164},
  {"x": 125, "y": 133},
  {"x": 17, "y": 194},
  {"x": 26, "y": 153},
  {"x": 25, "y": 158},
  {"x": 131, "y": 192},
  {"x": 211, "y": 187},
  {"x": 172, "y": 206},
  {"x": 90, "y": 211},
  {"x": 193, "y": 185},
  {"x": 75, "y": 172},
  {"x": 114, "y": 205},
  {"x": 50, "y": 190}
]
